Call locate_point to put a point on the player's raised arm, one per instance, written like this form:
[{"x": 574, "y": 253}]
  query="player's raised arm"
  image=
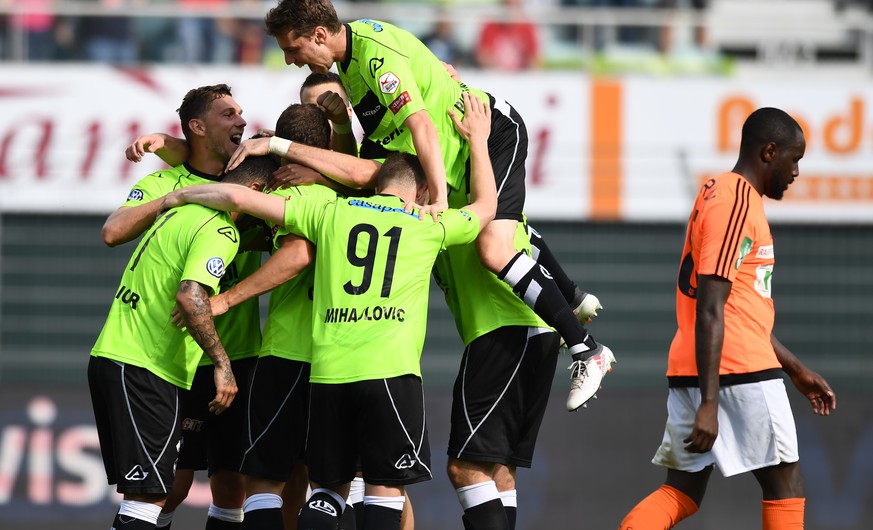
[
  {"x": 293, "y": 255},
  {"x": 172, "y": 150},
  {"x": 230, "y": 198},
  {"x": 193, "y": 302},
  {"x": 475, "y": 128},
  {"x": 128, "y": 222},
  {"x": 430, "y": 154}
]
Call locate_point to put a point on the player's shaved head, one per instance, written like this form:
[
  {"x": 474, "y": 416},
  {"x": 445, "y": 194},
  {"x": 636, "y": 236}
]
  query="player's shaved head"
[
  {"x": 766, "y": 125},
  {"x": 401, "y": 169},
  {"x": 252, "y": 170}
]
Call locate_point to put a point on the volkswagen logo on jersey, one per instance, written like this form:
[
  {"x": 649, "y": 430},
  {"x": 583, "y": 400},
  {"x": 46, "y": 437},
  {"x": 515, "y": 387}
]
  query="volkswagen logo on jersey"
[
  {"x": 135, "y": 195},
  {"x": 215, "y": 267}
]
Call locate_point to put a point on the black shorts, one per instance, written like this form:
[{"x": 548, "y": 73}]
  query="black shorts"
[
  {"x": 382, "y": 421},
  {"x": 500, "y": 395},
  {"x": 209, "y": 441},
  {"x": 507, "y": 147},
  {"x": 137, "y": 416},
  {"x": 277, "y": 411}
]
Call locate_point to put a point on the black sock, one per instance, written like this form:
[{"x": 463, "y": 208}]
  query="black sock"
[
  {"x": 511, "y": 512},
  {"x": 320, "y": 512},
  {"x": 543, "y": 255},
  {"x": 486, "y": 516},
  {"x": 126, "y": 522},
  {"x": 263, "y": 519},
  {"x": 381, "y": 517},
  {"x": 359, "y": 514},
  {"x": 213, "y": 523},
  {"x": 349, "y": 519},
  {"x": 532, "y": 284}
]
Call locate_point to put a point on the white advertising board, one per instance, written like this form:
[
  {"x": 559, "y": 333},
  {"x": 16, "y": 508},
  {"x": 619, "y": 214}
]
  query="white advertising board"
[{"x": 626, "y": 149}]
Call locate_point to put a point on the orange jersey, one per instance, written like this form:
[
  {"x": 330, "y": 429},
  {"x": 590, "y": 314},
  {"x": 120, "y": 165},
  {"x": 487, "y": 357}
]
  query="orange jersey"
[{"x": 728, "y": 236}]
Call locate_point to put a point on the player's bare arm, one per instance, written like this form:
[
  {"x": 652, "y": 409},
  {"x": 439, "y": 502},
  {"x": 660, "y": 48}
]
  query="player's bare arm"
[
  {"x": 342, "y": 137},
  {"x": 712, "y": 295},
  {"x": 129, "y": 222},
  {"x": 430, "y": 154},
  {"x": 293, "y": 255},
  {"x": 193, "y": 302},
  {"x": 354, "y": 172},
  {"x": 476, "y": 128},
  {"x": 230, "y": 198},
  {"x": 171, "y": 150},
  {"x": 294, "y": 174},
  {"x": 809, "y": 383}
]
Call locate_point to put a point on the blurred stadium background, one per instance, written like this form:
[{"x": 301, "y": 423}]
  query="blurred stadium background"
[{"x": 629, "y": 105}]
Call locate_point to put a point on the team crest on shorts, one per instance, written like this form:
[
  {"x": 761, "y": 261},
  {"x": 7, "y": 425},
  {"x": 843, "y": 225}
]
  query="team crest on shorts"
[{"x": 215, "y": 267}]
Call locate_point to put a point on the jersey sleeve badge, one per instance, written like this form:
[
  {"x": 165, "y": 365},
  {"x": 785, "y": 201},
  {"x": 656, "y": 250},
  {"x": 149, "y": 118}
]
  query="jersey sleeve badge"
[
  {"x": 215, "y": 267},
  {"x": 389, "y": 82}
]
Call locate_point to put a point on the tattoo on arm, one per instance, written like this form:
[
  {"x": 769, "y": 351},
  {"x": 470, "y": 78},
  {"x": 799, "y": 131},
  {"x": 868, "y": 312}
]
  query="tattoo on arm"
[{"x": 193, "y": 301}]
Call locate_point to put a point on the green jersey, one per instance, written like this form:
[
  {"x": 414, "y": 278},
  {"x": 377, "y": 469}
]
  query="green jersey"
[
  {"x": 288, "y": 330},
  {"x": 186, "y": 243},
  {"x": 372, "y": 268},
  {"x": 478, "y": 300},
  {"x": 240, "y": 328},
  {"x": 389, "y": 74}
]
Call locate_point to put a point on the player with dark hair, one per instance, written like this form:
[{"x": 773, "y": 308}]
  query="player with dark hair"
[
  {"x": 140, "y": 361},
  {"x": 277, "y": 409},
  {"x": 366, "y": 399},
  {"x": 213, "y": 126},
  {"x": 399, "y": 91},
  {"x": 727, "y": 405}
]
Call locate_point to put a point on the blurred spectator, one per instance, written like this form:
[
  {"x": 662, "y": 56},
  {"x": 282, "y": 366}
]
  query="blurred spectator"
[
  {"x": 441, "y": 41},
  {"x": 108, "y": 39},
  {"x": 38, "y": 27},
  {"x": 155, "y": 36},
  {"x": 251, "y": 39},
  {"x": 205, "y": 39},
  {"x": 511, "y": 44},
  {"x": 699, "y": 32}
]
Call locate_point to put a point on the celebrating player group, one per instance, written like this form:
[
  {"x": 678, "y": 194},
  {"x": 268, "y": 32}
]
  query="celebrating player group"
[{"x": 319, "y": 421}]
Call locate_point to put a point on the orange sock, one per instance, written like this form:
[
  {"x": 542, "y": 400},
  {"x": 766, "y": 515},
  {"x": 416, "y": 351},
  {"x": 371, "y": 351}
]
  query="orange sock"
[
  {"x": 782, "y": 514},
  {"x": 661, "y": 510}
]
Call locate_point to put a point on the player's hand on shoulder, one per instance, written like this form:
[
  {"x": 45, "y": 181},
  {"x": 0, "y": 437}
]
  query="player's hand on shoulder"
[
  {"x": 451, "y": 70},
  {"x": 147, "y": 143},
  {"x": 476, "y": 124},
  {"x": 247, "y": 148},
  {"x": 817, "y": 391},
  {"x": 433, "y": 209},
  {"x": 264, "y": 133},
  {"x": 292, "y": 175},
  {"x": 171, "y": 200}
]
